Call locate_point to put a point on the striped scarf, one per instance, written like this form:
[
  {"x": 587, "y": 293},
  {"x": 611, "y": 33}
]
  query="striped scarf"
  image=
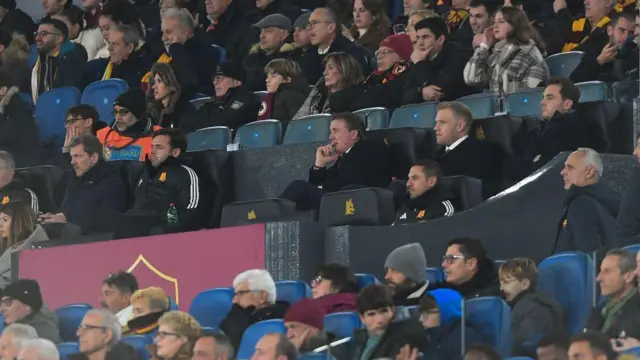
[{"x": 580, "y": 31}]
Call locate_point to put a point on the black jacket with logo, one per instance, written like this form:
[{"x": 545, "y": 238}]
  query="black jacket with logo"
[
  {"x": 237, "y": 107},
  {"x": 384, "y": 88},
  {"x": 433, "y": 204},
  {"x": 17, "y": 190}
]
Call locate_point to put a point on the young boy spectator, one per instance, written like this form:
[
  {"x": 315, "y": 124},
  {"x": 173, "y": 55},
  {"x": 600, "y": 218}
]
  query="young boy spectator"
[
  {"x": 533, "y": 314},
  {"x": 287, "y": 90}
]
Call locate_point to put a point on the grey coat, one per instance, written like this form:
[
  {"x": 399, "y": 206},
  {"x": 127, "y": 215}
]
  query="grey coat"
[
  {"x": 5, "y": 259},
  {"x": 533, "y": 314},
  {"x": 46, "y": 324}
]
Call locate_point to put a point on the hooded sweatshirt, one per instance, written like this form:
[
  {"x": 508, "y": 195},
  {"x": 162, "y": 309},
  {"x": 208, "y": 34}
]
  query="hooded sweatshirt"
[{"x": 533, "y": 314}]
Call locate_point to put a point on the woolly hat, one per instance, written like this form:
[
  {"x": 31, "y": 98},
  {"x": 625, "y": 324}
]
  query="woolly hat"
[
  {"x": 401, "y": 44},
  {"x": 26, "y": 291},
  {"x": 133, "y": 100},
  {"x": 410, "y": 261},
  {"x": 306, "y": 312}
]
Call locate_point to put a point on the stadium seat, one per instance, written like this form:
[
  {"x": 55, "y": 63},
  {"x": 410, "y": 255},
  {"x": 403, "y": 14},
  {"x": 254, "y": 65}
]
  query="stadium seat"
[
  {"x": 69, "y": 319},
  {"x": 172, "y": 304},
  {"x": 491, "y": 317},
  {"x": 481, "y": 105},
  {"x": 211, "y": 306},
  {"x": 47, "y": 182},
  {"x": 569, "y": 278},
  {"x": 633, "y": 248},
  {"x": 342, "y": 324},
  {"x": 214, "y": 169},
  {"x": 405, "y": 145},
  {"x": 419, "y": 115},
  {"x": 633, "y": 351},
  {"x": 307, "y": 129},
  {"x": 259, "y": 134},
  {"x": 33, "y": 55},
  {"x": 221, "y": 52},
  {"x": 593, "y": 91},
  {"x": 563, "y": 64},
  {"x": 27, "y": 98},
  {"x": 254, "y": 333},
  {"x": 244, "y": 212},
  {"x": 51, "y": 113},
  {"x": 374, "y": 118},
  {"x": 434, "y": 275},
  {"x": 101, "y": 94},
  {"x": 467, "y": 190},
  {"x": 292, "y": 291},
  {"x": 67, "y": 348},
  {"x": 369, "y": 206},
  {"x": 525, "y": 102},
  {"x": 625, "y": 91},
  {"x": 498, "y": 130},
  {"x": 210, "y": 330},
  {"x": 139, "y": 343},
  {"x": 198, "y": 102},
  {"x": 312, "y": 356},
  {"x": 215, "y": 137},
  {"x": 498, "y": 263},
  {"x": 366, "y": 279},
  {"x": 262, "y": 95}
]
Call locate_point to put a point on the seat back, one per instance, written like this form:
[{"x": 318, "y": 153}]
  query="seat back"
[
  {"x": 27, "y": 98},
  {"x": 69, "y": 319},
  {"x": 220, "y": 52},
  {"x": 198, "y": 102},
  {"x": 130, "y": 172},
  {"x": 481, "y": 105},
  {"x": 498, "y": 130},
  {"x": 67, "y": 348},
  {"x": 33, "y": 55},
  {"x": 563, "y": 64},
  {"x": 51, "y": 113},
  {"x": 421, "y": 115},
  {"x": 211, "y": 306},
  {"x": 215, "y": 169},
  {"x": 139, "y": 343},
  {"x": 47, "y": 182},
  {"x": 374, "y": 118},
  {"x": 173, "y": 306},
  {"x": 101, "y": 95},
  {"x": 254, "y": 333},
  {"x": 593, "y": 91},
  {"x": 569, "y": 277},
  {"x": 467, "y": 190},
  {"x": 244, "y": 212},
  {"x": 525, "y": 102},
  {"x": 259, "y": 134},
  {"x": 368, "y": 206},
  {"x": 434, "y": 275},
  {"x": 491, "y": 317},
  {"x": 215, "y": 137},
  {"x": 292, "y": 291},
  {"x": 342, "y": 324},
  {"x": 404, "y": 145},
  {"x": 307, "y": 129},
  {"x": 625, "y": 91},
  {"x": 366, "y": 279},
  {"x": 633, "y": 248}
]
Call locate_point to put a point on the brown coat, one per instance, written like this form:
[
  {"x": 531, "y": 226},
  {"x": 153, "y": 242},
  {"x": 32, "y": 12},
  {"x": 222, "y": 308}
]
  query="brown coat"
[{"x": 185, "y": 352}]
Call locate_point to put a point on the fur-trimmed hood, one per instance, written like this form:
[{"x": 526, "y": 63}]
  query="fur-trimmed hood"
[
  {"x": 286, "y": 47},
  {"x": 7, "y": 98},
  {"x": 17, "y": 51}
]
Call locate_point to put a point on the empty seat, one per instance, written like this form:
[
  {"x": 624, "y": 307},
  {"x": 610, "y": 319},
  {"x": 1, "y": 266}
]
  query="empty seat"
[
  {"x": 307, "y": 129},
  {"x": 51, "y": 113},
  {"x": 481, "y": 105},
  {"x": 69, "y": 319},
  {"x": 625, "y": 91},
  {"x": 244, "y": 212},
  {"x": 633, "y": 248},
  {"x": 563, "y": 64},
  {"x": 467, "y": 190},
  {"x": 374, "y": 118},
  {"x": 569, "y": 278},
  {"x": 259, "y": 134},
  {"x": 593, "y": 91},
  {"x": 139, "y": 343},
  {"x": 198, "y": 102},
  {"x": 101, "y": 95},
  {"x": 369, "y": 206},
  {"x": 211, "y": 306},
  {"x": 525, "y": 102},
  {"x": 215, "y": 137},
  {"x": 254, "y": 333},
  {"x": 406, "y": 146},
  {"x": 67, "y": 348},
  {"x": 47, "y": 182},
  {"x": 342, "y": 324},
  {"x": 220, "y": 52},
  {"x": 434, "y": 275},
  {"x": 419, "y": 115},
  {"x": 498, "y": 130},
  {"x": 292, "y": 291},
  {"x": 490, "y": 316},
  {"x": 366, "y": 279}
]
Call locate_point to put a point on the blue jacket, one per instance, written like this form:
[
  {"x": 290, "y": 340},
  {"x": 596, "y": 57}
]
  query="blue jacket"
[
  {"x": 92, "y": 200},
  {"x": 445, "y": 341}
]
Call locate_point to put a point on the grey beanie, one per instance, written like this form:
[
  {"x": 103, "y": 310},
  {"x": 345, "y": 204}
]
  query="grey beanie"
[{"x": 410, "y": 261}]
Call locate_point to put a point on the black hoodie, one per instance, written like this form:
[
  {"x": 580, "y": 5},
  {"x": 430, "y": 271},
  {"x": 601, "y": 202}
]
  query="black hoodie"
[
  {"x": 433, "y": 204},
  {"x": 239, "y": 319},
  {"x": 17, "y": 190},
  {"x": 289, "y": 98},
  {"x": 589, "y": 219},
  {"x": 483, "y": 283}
]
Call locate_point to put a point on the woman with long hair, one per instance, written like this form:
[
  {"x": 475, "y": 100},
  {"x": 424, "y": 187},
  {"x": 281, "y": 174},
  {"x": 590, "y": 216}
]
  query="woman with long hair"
[
  {"x": 370, "y": 24},
  {"x": 168, "y": 96},
  {"x": 510, "y": 56}
]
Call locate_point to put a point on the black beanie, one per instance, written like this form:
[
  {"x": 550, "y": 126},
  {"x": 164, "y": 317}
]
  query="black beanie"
[
  {"x": 135, "y": 101},
  {"x": 8, "y": 4},
  {"x": 26, "y": 291}
]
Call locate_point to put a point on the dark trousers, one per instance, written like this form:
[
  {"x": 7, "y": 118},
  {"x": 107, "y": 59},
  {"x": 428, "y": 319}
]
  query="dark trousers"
[{"x": 306, "y": 195}]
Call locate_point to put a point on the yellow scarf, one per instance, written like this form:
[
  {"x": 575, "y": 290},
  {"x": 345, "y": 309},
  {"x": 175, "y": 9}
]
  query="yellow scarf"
[
  {"x": 35, "y": 77},
  {"x": 578, "y": 26},
  {"x": 623, "y": 4},
  {"x": 107, "y": 71},
  {"x": 164, "y": 59}
]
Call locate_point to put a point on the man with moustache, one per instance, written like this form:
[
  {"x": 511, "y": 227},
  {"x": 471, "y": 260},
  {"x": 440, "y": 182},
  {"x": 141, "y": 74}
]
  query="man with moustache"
[
  {"x": 116, "y": 293},
  {"x": 405, "y": 274}
]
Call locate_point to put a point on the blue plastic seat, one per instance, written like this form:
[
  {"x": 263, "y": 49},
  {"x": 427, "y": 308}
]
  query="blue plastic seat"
[
  {"x": 419, "y": 115},
  {"x": 199, "y": 101},
  {"x": 593, "y": 91},
  {"x": 634, "y": 351},
  {"x": 312, "y": 356},
  {"x": 308, "y": 129},
  {"x": 292, "y": 291},
  {"x": 51, "y": 113},
  {"x": 215, "y": 137},
  {"x": 101, "y": 94},
  {"x": 259, "y": 134},
  {"x": 211, "y": 306},
  {"x": 221, "y": 52},
  {"x": 254, "y": 333},
  {"x": 570, "y": 278},
  {"x": 366, "y": 279},
  {"x": 69, "y": 319},
  {"x": 563, "y": 64},
  {"x": 33, "y": 55},
  {"x": 139, "y": 343},
  {"x": 434, "y": 275},
  {"x": 173, "y": 306},
  {"x": 67, "y": 348},
  {"x": 342, "y": 324},
  {"x": 481, "y": 105},
  {"x": 374, "y": 118},
  {"x": 633, "y": 248},
  {"x": 27, "y": 98},
  {"x": 490, "y": 316},
  {"x": 525, "y": 102}
]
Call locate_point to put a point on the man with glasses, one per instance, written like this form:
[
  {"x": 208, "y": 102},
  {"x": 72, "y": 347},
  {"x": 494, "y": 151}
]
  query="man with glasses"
[
  {"x": 12, "y": 187},
  {"x": 21, "y": 303},
  {"x": 60, "y": 62},
  {"x": 468, "y": 270},
  {"x": 99, "y": 335},
  {"x": 81, "y": 119}
]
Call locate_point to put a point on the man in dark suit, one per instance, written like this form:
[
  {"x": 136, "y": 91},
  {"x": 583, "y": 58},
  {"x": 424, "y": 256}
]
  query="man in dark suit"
[
  {"x": 464, "y": 155},
  {"x": 355, "y": 162}
]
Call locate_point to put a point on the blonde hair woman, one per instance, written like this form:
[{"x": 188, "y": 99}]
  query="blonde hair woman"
[
  {"x": 177, "y": 333},
  {"x": 148, "y": 306}
]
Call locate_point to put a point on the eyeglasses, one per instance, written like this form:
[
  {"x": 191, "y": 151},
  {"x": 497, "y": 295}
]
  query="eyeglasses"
[
  {"x": 121, "y": 112},
  {"x": 451, "y": 258},
  {"x": 163, "y": 334},
  {"x": 317, "y": 280},
  {"x": 87, "y": 327},
  {"x": 384, "y": 52},
  {"x": 43, "y": 33},
  {"x": 6, "y": 302},
  {"x": 313, "y": 23}
]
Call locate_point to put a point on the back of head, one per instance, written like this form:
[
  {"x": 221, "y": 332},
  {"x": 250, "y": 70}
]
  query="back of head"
[
  {"x": 20, "y": 334},
  {"x": 40, "y": 349},
  {"x": 481, "y": 352}
]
